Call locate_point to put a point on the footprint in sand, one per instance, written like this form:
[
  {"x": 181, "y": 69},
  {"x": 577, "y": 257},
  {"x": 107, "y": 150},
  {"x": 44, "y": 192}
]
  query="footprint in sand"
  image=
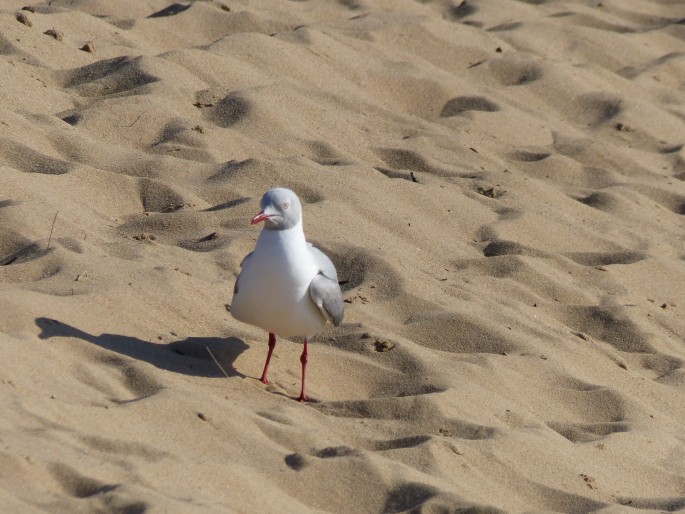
[{"x": 121, "y": 75}]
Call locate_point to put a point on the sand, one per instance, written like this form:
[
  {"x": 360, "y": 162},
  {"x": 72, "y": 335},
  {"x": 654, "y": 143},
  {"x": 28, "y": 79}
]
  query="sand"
[{"x": 500, "y": 183}]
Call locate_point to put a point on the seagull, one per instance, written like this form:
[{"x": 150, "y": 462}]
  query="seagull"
[{"x": 286, "y": 286}]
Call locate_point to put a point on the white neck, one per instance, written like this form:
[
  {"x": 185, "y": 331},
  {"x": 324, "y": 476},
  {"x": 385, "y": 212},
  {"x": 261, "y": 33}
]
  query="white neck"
[{"x": 290, "y": 241}]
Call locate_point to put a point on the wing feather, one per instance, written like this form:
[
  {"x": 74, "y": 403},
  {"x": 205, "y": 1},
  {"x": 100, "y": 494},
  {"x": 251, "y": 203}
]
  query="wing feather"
[
  {"x": 242, "y": 263},
  {"x": 324, "y": 289}
]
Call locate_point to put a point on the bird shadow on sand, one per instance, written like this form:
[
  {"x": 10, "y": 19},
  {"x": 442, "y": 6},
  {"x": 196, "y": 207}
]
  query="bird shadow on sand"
[{"x": 190, "y": 356}]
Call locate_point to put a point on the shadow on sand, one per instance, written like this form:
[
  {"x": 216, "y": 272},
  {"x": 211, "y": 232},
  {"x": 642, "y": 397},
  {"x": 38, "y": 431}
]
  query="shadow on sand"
[{"x": 189, "y": 356}]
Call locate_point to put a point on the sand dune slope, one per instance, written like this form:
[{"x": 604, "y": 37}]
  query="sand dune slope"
[{"x": 500, "y": 183}]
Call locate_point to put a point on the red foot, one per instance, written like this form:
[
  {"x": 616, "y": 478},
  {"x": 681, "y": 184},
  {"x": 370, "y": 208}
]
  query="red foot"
[{"x": 303, "y": 398}]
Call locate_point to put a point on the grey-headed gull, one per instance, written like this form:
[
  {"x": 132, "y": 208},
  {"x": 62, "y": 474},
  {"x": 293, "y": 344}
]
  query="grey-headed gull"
[{"x": 286, "y": 286}]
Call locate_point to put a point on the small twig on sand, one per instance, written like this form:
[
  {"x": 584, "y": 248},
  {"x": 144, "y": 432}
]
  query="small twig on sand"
[
  {"x": 217, "y": 362},
  {"x": 51, "y": 229},
  {"x": 134, "y": 121}
]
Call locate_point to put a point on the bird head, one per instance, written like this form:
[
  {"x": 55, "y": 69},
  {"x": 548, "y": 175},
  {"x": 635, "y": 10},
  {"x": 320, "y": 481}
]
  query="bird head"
[{"x": 280, "y": 210}]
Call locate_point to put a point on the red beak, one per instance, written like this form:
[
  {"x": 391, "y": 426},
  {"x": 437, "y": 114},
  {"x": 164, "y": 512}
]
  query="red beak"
[{"x": 259, "y": 218}]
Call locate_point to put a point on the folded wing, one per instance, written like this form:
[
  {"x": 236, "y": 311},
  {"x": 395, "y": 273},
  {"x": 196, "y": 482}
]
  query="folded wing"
[{"x": 324, "y": 289}]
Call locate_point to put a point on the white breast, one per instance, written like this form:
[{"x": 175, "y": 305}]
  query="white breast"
[{"x": 273, "y": 286}]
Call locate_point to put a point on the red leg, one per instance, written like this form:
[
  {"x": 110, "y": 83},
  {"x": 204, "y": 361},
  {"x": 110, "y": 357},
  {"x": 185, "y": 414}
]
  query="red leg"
[
  {"x": 272, "y": 345},
  {"x": 303, "y": 360}
]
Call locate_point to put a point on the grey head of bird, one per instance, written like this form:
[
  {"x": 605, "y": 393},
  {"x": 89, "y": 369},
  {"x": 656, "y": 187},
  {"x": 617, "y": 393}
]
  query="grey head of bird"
[{"x": 281, "y": 209}]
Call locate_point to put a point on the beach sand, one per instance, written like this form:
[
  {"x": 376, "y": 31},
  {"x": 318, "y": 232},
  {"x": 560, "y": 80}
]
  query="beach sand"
[{"x": 500, "y": 183}]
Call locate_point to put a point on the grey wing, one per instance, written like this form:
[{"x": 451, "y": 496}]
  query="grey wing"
[
  {"x": 325, "y": 290},
  {"x": 235, "y": 286}
]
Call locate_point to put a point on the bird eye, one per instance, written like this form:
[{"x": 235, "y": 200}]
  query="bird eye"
[{"x": 286, "y": 205}]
